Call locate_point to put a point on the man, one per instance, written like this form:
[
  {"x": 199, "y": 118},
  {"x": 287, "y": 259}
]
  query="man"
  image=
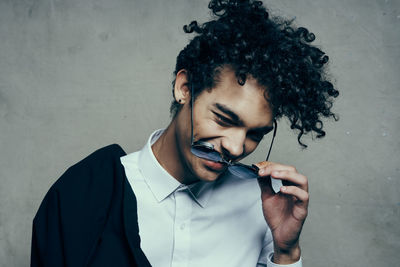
[{"x": 184, "y": 192}]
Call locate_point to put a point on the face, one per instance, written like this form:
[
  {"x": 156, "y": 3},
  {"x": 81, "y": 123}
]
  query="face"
[{"x": 232, "y": 117}]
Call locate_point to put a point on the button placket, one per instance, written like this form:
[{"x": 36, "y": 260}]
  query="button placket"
[{"x": 183, "y": 211}]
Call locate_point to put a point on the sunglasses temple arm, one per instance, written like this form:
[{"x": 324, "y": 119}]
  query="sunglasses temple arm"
[
  {"x": 191, "y": 113},
  {"x": 273, "y": 137}
]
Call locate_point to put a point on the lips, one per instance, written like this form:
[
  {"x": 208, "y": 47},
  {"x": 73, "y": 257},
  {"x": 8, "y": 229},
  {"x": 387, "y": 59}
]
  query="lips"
[{"x": 215, "y": 166}]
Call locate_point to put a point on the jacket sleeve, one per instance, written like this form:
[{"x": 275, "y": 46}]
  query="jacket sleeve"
[{"x": 47, "y": 241}]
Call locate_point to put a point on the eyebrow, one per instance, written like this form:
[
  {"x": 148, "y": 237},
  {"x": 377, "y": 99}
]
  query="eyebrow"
[{"x": 236, "y": 119}]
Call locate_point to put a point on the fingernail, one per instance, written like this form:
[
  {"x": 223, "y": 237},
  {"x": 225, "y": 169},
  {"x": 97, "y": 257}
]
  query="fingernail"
[
  {"x": 262, "y": 171},
  {"x": 283, "y": 188}
]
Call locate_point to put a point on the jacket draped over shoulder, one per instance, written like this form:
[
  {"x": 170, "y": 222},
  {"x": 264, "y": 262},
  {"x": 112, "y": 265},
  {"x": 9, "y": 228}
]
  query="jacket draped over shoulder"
[{"x": 89, "y": 217}]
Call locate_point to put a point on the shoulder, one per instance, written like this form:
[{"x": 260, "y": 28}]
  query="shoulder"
[
  {"x": 103, "y": 155},
  {"x": 94, "y": 177},
  {"x": 99, "y": 161}
]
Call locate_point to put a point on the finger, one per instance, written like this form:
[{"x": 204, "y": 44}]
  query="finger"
[
  {"x": 297, "y": 192},
  {"x": 269, "y": 185},
  {"x": 263, "y": 164},
  {"x": 292, "y": 177},
  {"x": 265, "y": 185},
  {"x": 300, "y": 198},
  {"x": 266, "y": 167}
]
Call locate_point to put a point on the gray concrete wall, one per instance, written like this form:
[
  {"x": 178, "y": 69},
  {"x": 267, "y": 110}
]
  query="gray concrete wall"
[{"x": 77, "y": 75}]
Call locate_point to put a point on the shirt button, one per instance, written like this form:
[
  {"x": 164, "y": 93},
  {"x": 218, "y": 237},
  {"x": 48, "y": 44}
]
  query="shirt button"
[{"x": 183, "y": 226}]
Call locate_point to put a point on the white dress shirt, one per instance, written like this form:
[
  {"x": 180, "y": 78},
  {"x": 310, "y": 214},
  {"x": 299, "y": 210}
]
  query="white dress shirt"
[{"x": 204, "y": 224}]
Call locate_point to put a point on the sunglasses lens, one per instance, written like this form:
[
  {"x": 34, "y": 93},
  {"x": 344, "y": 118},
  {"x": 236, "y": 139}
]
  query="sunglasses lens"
[
  {"x": 206, "y": 153},
  {"x": 242, "y": 171},
  {"x": 237, "y": 169}
]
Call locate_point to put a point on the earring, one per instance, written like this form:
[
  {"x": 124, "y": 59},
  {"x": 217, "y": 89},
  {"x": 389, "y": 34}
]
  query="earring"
[{"x": 180, "y": 100}]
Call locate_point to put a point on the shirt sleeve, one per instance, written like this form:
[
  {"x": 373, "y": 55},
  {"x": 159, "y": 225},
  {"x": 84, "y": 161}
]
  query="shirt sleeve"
[
  {"x": 271, "y": 264},
  {"x": 265, "y": 258}
]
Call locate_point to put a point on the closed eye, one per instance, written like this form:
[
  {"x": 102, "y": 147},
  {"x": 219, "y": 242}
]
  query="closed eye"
[
  {"x": 222, "y": 120},
  {"x": 256, "y": 136}
]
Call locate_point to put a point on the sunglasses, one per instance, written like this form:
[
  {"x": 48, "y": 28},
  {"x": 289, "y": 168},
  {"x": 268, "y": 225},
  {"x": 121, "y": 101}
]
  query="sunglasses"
[{"x": 206, "y": 151}]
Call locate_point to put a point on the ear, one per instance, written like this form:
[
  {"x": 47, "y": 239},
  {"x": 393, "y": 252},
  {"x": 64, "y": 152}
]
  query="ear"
[{"x": 182, "y": 87}]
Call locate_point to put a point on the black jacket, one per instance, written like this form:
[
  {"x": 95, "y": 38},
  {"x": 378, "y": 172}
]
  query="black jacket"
[{"x": 89, "y": 217}]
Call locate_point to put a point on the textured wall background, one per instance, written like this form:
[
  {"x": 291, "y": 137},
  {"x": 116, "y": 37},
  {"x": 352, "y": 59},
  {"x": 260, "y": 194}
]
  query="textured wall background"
[{"x": 77, "y": 75}]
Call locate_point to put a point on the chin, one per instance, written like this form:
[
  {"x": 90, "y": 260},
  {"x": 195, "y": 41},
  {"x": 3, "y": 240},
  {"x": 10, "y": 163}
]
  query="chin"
[
  {"x": 205, "y": 170},
  {"x": 208, "y": 177},
  {"x": 209, "y": 171},
  {"x": 212, "y": 176}
]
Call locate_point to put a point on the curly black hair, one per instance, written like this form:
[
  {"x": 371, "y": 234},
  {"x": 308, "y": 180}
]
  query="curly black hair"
[{"x": 279, "y": 56}]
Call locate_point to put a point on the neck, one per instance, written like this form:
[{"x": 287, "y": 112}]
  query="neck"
[{"x": 165, "y": 150}]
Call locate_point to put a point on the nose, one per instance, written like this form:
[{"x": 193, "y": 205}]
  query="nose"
[{"x": 232, "y": 145}]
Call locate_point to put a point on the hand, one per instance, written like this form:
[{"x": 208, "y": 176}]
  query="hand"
[{"x": 286, "y": 211}]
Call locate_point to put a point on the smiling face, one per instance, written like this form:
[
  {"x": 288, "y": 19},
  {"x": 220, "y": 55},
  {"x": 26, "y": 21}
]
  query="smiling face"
[{"x": 232, "y": 117}]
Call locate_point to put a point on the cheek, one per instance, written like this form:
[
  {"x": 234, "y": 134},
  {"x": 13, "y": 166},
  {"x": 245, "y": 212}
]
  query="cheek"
[
  {"x": 250, "y": 146},
  {"x": 206, "y": 128}
]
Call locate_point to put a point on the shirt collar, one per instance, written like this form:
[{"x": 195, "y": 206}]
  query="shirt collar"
[
  {"x": 161, "y": 183},
  {"x": 201, "y": 192}
]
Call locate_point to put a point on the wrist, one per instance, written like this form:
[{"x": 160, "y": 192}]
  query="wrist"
[{"x": 286, "y": 256}]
